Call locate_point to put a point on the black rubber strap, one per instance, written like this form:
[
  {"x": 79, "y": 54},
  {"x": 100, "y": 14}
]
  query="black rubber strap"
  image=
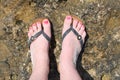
[
  {"x": 66, "y": 33},
  {"x": 46, "y": 36},
  {"x": 37, "y": 35},
  {"x": 75, "y": 32}
]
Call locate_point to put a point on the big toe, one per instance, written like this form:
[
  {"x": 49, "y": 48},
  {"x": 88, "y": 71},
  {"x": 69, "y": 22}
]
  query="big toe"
[
  {"x": 46, "y": 27},
  {"x": 67, "y": 23}
]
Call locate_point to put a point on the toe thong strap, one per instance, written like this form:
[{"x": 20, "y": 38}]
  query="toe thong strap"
[
  {"x": 37, "y": 35},
  {"x": 46, "y": 36},
  {"x": 66, "y": 33},
  {"x": 79, "y": 37}
]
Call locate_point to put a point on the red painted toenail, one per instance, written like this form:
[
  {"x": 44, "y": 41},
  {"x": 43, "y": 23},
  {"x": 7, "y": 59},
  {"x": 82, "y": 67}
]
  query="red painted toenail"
[
  {"x": 46, "y": 22},
  {"x": 68, "y": 17},
  {"x": 30, "y": 28},
  {"x": 34, "y": 24}
]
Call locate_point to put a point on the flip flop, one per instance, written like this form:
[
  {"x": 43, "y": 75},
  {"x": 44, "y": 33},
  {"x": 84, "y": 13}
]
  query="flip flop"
[
  {"x": 34, "y": 37},
  {"x": 79, "y": 37}
]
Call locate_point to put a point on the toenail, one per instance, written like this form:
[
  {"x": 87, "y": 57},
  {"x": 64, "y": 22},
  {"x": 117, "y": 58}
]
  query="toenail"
[
  {"x": 30, "y": 28},
  {"x": 46, "y": 22},
  {"x": 68, "y": 17},
  {"x": 81, "y": 24},
  {"x": 34, "y": 27},
  {"x": 82, "y": 27},
  {"x": 38, "y": 23},
  {"x": 34, "y": 24}
]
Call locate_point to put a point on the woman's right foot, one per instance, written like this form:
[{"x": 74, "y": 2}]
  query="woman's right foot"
[
  {"x": 71, "y": 48},
  {"x": 39, "y": 49}
]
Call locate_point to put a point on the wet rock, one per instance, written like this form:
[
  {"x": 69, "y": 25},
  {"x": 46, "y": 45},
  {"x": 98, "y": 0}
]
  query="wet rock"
[
  {"x": 102, "y": 21},
  {"x": 116, "y": 72},
  {"x": 39, "y": 2},
  {"x": 1, "y": 29},
  {"x": 106, "y": 77},
  {"x": 25, "y": 14},
  {"x": 92, "y": 72},
  {"x": 4, "y": 51},
  {"x": 4, "y": 71}
]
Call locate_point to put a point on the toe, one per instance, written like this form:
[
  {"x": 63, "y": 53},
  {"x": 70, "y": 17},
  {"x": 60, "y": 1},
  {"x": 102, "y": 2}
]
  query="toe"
[
  {"x": 47, "y": 27},
  {"x": 34, "y": 26},
  {"x": 39, "y": 26},
  {"x": 75, "y": 23},
  {"x": 30, "y": 32},
  {"x": 82, "y": 27},
  {"x": 67, "y": 23},
  {"x": 83, "y": 35},
  {"x": 79, "y": 25}
]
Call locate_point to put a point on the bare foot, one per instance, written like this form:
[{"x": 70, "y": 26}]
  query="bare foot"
[
  {"x": 71, "y": 48},
  {"x": 39, "y": 49}
]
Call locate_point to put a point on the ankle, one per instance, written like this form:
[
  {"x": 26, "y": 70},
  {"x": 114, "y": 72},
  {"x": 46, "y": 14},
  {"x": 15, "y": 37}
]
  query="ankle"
[
  {"x": 41, "y": 67},
  {"x": 66, "y": 61},
  {"x": 39, "y": 75},
  {"x": 66, "y": 67},
  {"x": 65, "y": 58}
]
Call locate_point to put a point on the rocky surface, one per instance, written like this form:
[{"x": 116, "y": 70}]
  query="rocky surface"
[{"x": 101, "y": 56}]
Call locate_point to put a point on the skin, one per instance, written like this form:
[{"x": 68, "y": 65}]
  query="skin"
[
  {"x": 70, "y": 48},
  {"x": 39, "y": 53}
]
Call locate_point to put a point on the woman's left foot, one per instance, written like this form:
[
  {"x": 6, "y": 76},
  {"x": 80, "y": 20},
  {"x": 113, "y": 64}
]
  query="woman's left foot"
[
  {"x": 71, "y": 45},
  {"x": 73, "y": 40}
]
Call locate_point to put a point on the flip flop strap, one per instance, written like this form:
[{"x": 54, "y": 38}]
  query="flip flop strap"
[
  {"x": 79, "y": 37},
  {"x": 37, "y": 35}
]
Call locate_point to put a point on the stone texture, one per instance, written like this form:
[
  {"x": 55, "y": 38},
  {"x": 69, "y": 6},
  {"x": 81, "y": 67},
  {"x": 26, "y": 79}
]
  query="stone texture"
[
  {"x": 4, "y": 71},
  {"x": 101, "y": 56},
  {"x": 106, "y": 77},
  {"x": 4, "y": 52}
]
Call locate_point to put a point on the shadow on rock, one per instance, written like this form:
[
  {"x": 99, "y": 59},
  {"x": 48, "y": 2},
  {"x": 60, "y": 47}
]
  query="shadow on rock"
[
  {"x": 53, "y": 74},
  {"x": 82, "y": 72}
]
